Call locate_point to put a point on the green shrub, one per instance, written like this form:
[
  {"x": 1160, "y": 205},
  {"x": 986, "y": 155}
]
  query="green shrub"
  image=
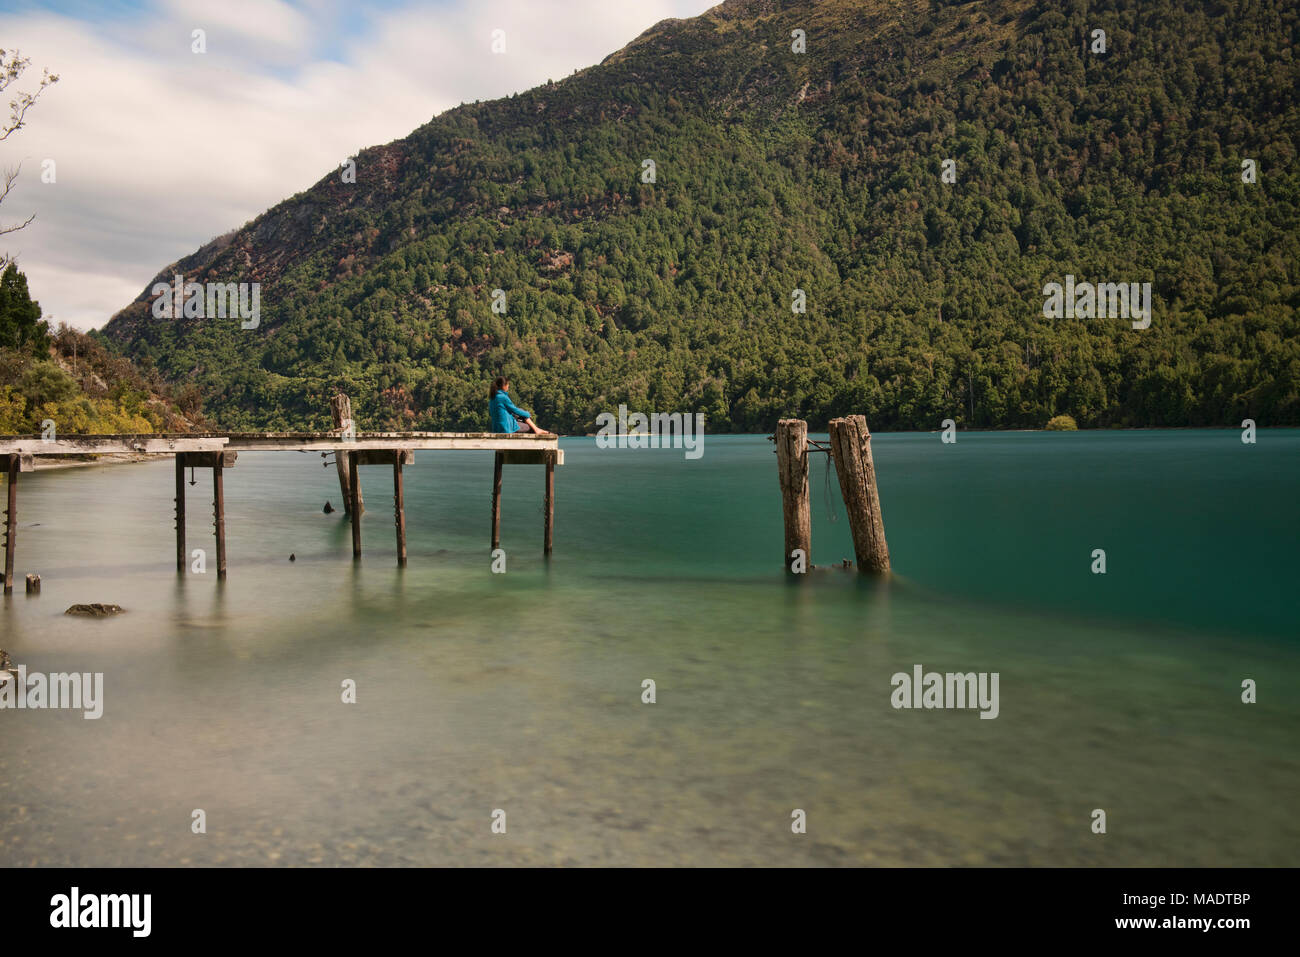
[
  {"x": 1062, "y": 423},
  {"x": 44, "y": 382}
]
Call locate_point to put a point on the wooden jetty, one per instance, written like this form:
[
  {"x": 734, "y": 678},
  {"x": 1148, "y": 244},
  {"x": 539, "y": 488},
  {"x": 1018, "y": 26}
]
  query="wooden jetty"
[{"x": 219, "y": 451}]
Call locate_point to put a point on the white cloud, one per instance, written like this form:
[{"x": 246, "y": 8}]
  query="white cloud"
[
  {"x": 246, "y": 28},
  {"x": 159, "y": 149}
]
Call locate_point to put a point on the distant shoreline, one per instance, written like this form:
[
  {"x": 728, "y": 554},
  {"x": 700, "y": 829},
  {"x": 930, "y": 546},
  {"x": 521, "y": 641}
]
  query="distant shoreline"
[{"x": 45, "y": 463}]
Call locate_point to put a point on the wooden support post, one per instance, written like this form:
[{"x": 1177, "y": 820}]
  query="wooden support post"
[
  {"x": 548, "y": 503},
  {"x": 180, "y": 512},
  {"x": 219, "y": 519},
  {"x": 399, "y": 509},
  {"x": 11, "y": 522},
  {"x": 792, "y": 469},
  {"x": 355, "y": 510},
  {"x": 341, "y": 410},
  {"x": 851, "y": 448},
  {"x": 496, "y": 501}
]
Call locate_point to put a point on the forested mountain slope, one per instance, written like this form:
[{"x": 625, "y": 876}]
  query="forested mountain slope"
[{"x": 819, "y": 171}]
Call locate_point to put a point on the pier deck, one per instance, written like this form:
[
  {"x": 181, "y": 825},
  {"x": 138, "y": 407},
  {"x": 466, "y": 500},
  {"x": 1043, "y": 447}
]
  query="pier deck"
[{"x": 220, "y": 450}]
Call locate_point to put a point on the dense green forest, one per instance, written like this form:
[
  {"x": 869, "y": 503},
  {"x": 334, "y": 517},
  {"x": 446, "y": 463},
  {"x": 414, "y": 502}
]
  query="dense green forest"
[{"x": 819, "y": 171}]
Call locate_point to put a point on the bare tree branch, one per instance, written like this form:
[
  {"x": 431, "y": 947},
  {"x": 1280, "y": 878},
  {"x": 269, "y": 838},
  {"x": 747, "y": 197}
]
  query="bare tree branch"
[
  {"x": 10, "y": 177},
  {"x": 14, "y": 229},
  {"x": 12, "y": 65}
]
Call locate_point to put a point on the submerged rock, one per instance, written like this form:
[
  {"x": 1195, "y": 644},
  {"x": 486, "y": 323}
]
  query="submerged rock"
[{"x": 95, "y": 610}]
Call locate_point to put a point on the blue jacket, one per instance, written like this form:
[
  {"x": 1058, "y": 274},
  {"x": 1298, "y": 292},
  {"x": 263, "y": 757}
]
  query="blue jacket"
[{"x": 503, "y": 413}]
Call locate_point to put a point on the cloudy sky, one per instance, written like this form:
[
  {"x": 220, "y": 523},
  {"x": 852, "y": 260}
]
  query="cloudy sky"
[{"x": 157, "y": 149}]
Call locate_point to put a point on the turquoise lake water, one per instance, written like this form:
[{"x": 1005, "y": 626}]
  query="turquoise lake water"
[{"x": 523, "y": 691}]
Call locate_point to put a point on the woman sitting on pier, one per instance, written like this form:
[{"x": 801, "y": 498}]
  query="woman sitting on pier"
[{"x": 506, "y": 416}]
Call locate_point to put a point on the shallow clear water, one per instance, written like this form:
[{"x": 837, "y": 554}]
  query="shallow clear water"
[{"x": 523, "y": 691}]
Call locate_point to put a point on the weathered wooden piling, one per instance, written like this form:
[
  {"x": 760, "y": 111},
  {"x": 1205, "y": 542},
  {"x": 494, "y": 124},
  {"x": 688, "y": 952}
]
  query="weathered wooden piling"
[
  {"x": 341, "y": 411},
  {"x": 219, "y": 517},
  {"x": 218, "y": 462},
  {"x": 399, "y": 508},
  {"x": 354, "y": 484},
  {"x": 496, "y": 500},
  {"x": 397, "y": 458},
  {"x": 11, "y": 521},
  {"x": 550, "y": 458},
  {"x": 851, "y": 449},
  {"x": 33, "y": 584},
  {"x": 792, "y": 468},
  {"x": 548, "y": 503},
  {"x": 180, "y": 512}
]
